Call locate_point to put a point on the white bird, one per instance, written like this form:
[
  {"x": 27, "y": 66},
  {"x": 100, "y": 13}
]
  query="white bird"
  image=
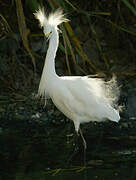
[{"x": 80, "y": 98}]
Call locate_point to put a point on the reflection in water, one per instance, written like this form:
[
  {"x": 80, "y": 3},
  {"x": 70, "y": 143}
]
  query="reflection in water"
[
  {"x": 116, "y": 165},
  {"x": 106, "y": 172}
]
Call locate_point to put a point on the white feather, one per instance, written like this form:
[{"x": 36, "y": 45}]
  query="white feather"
[
  {"x": 53, "y": 19},
  {"x": 40, "y": 15},
  {"x": 81, "y": 99}
]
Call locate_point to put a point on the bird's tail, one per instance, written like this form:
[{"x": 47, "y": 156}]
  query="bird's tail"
[
  {"x": 112, "y": 92},
  {"x": 113, "y": 114}
]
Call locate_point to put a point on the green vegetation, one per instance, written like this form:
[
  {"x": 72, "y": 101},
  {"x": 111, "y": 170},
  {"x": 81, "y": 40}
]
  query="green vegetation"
[{"x": 100, "y": 37}]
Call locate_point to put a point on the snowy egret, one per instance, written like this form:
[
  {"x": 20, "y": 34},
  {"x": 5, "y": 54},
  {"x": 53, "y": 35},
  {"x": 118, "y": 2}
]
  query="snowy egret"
[{"x": 80, "y": 98}]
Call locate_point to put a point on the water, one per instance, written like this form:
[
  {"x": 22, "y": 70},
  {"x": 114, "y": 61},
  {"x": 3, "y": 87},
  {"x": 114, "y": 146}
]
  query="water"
[
  {"x": 114, "y": 165},
  {"x": 120, "y": 172},
  {"x": 38, "y": 150}
]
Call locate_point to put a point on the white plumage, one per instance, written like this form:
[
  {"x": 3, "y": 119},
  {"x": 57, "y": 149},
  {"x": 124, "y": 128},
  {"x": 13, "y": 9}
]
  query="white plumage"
[{"x": 80, "y": 98}]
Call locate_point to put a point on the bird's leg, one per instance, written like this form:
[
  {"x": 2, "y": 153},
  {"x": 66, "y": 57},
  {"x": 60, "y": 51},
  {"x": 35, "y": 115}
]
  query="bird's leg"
[
  {"x": 76, "y": 141},
  {"x": 76, "y": 148},
  {"x": 76, "y": 135},
  {"x": 85, "y": 145},
  {"x": 84, "y": 141}
]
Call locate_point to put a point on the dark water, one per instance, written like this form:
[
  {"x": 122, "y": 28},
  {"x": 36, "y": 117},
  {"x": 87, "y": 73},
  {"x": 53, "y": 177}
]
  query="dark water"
[
  {"x": 114, "y": 165},
  {"x": 128, "y": 172},
  {"x": 120, "y": 172},
  {"x": 38, "y": 150}
]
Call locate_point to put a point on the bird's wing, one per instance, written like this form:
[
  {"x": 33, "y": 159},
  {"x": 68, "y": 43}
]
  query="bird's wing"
[
  {"x": 67, "y": 101},
  {"x": 83, "y": 89},
  {"x": 80, "y": 97},
  {"x": 87, "y": 94}
]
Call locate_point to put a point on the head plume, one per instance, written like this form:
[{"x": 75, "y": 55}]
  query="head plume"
[
  {"x": 53, "y": 19},
  {"x": 41, "y": 16}
]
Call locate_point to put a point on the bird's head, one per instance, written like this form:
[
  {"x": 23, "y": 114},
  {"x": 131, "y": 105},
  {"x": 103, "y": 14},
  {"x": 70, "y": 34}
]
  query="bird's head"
[{"x": 50, "y": 22}]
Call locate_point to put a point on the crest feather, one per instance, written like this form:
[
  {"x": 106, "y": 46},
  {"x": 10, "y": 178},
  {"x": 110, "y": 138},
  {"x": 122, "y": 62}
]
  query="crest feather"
[
  {"x": 54, "y": 18},
  {"x": 57, "y": 17},
  {"x": 40, "y": 15}
]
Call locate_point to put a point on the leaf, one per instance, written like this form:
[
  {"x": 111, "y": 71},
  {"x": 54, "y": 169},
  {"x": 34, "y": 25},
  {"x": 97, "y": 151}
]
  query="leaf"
[
  {"x": 129, "y": 6},
  {"x": 78, "y": 46},
  {"x": 23, "y": 29},
  {"x": 67, "y": 61},
  {"x": 120, "y": 28}
]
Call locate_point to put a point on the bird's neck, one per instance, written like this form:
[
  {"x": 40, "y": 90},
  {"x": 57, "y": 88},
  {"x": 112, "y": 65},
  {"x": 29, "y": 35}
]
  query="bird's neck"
[
  {"x": 49, "y": 73},
  {"x": 49, "y": 66}
]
